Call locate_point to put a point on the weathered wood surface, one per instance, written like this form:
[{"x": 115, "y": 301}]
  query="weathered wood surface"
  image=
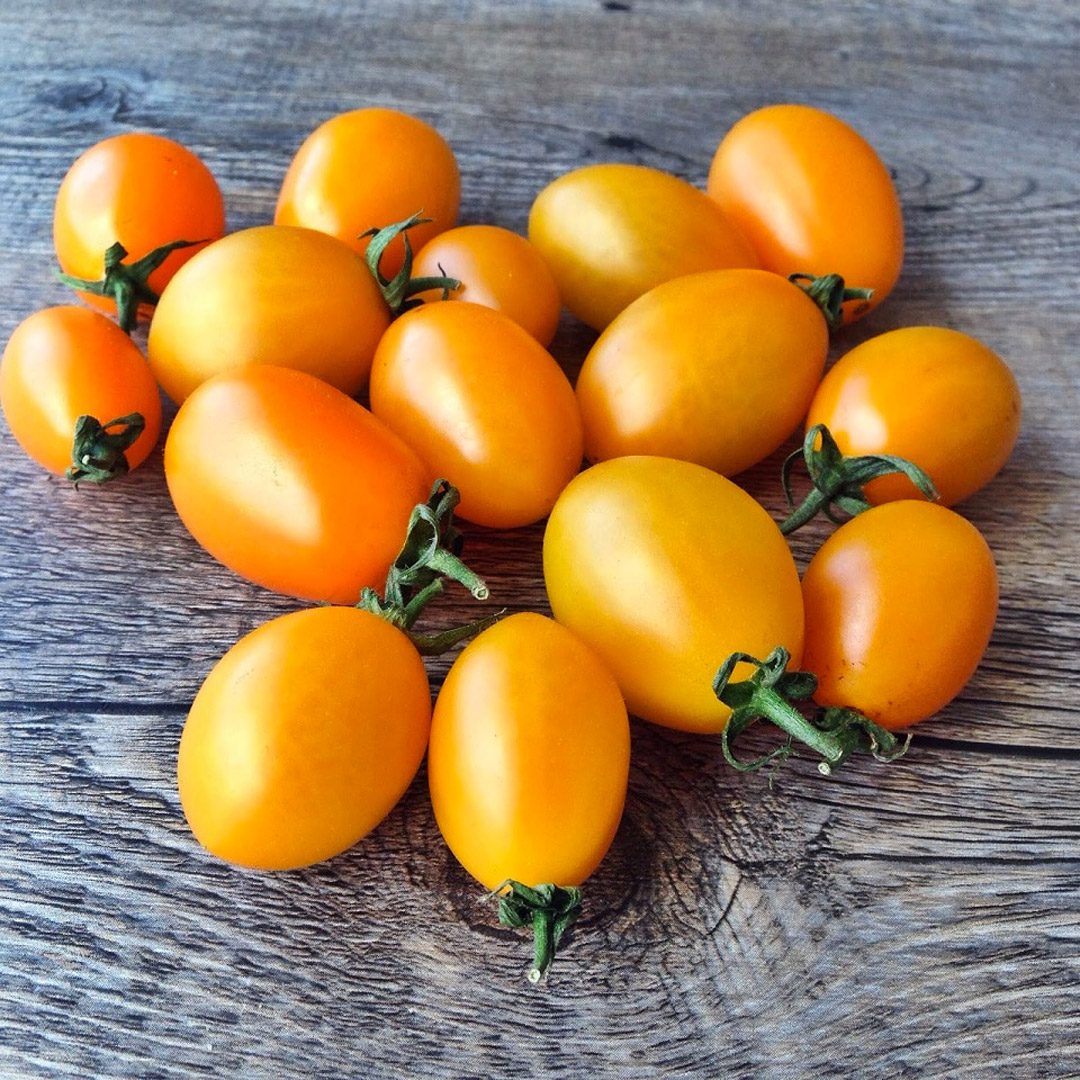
[{"x": 918, "y": 920}]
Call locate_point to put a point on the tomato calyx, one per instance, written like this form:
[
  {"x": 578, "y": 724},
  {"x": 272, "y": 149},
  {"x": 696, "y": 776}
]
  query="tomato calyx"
[
  {"x": 830, "y": 294},
  {"x": 549, "y": 909},
  {"x": 833, "y": 732},
  {"x": 400, "y": 291},
  {"x": 126, "y": 283},
  {"x": 97, "y": 451},
  {"x": 428, "y": 558},
  {"x": 839, "y": 479}
]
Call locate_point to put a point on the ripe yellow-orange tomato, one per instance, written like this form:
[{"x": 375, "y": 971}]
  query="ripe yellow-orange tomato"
[
  {"x": 900, "y": 604},
  {"x": 303, "y": 737},
  {"x": 812, "y": 197},
  {"x": 292, "y": 484},
  {"x": 666, "y": 568},
  {"x": 370, "y": 168},
  {"x": 268, "y": 295},
  {"x": 65, "y": 362},
  {"x": 716, "y": 368},
  {"x": 141, "y": 190},
  {"x": 529, "y": 754},
  {"x": 611, "y": 232},
  {"x": 483, "y": 405},
  {"x": 497, "y": 269},
  {"x": 934, "y": 396}
]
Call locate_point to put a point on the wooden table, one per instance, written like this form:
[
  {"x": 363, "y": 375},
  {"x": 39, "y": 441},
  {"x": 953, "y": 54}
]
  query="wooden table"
[{"x": 921, "y": 919}]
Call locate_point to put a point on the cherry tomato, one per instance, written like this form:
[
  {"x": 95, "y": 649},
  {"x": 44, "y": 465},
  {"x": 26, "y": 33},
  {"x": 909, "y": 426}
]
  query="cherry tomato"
[
  {"x": 900, "y": 604},
  {"x": 812, "y": 197},
  {"x": 497, "y": 269},
  {"x": 290, "y": 483},
  {"x": 142, "y": 191},
  {"x": 716, "y": 368},
  {"x": 666, "y": 568},
  {"x": 369, "y": 168},
  {"x": 529, "y": 754},
  {"x": 934, "y": 396},
  {"x": 65, "y": 362},
  {"x": 483, "y": 405},
  {"x": 303, "y": 737},
  {"x": 269, "y": 295},
  {"x": 612, "y": 232}
]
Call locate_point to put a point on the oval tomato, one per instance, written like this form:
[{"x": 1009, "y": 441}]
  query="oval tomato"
[
  {"x": 529, "y": 754},
  {"x": 716, "y": 368},
  {"x": 934, "y": 396},
  {"x": 483, "y": 405},
  {"x": 142, "y": 191},
  {"x": 63, "y": 363},
  {"x": 611, "y": 232},
  {"x": 303, "y": 737},
  {"x": 369, "y": 168},
  {"x": 665, "y": 569},
  {"x": 292, "y": 484},
  {"x": 497, "y": 269},
  {"x": 268, "y": 295},
  {"x": 900, "y": 604},
  {"x": 812, "y": 197}
]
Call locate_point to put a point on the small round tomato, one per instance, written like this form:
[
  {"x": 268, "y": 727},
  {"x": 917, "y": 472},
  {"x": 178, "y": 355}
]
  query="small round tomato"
[
  {"x": 900, "y": 604},
  {"x": 529, "y": 754},
  {"x": 611, "y": 232},
  {"x": 716, "y": 368},
  {"x": 290, "y": 483},
  {"x": 665, "y": 569},
  {"x": 302, "y": 739},
  {"x": 497, "y": 269},
  {"x": 812, "y": 197},
  {"x": 268, "y": 295},
  {"x": 934, "y": 396},
  {"x": 483, "y": 405},
  {"x": 369, "y": 168},
  {"x": 141, "y": 190},
  {"x": 67, "y": 362}
]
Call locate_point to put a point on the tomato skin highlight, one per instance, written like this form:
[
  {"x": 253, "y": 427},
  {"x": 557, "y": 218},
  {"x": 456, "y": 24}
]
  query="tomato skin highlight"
[
  {"x": 900, "y": 605},
  {"x": 268, "y": 295},
  {"x": 529, "y": 755},
  {"x": 497, "y": 269},
  {"x": 303, "y": 738},
  {"x": 665, "y": 569},
  {"x": 140, "y": 190},
  {"x": 812, "y": 197},
  {"x": 611, "y": 232},
  {"x": 65, "y": 362},
  {"x": 367, "y": 169},
  {"x": 292, "y": 484},
  {"x": 934, "y": 396},
  {"x": 716, "y": 368},
  {"x": 484, "y": 405}
]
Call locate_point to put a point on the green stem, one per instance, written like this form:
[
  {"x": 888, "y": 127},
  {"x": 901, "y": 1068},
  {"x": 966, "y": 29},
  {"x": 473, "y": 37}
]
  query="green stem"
[
  {"x": 400, "y": 291},
  {"x": 548, "y": 910},
  {"x": 830, "y": 294},
  {"x": 97, "y": 451}
]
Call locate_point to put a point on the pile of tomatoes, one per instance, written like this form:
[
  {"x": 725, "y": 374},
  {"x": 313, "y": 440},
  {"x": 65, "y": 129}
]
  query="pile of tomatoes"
[{"x": 675, "y": 595}]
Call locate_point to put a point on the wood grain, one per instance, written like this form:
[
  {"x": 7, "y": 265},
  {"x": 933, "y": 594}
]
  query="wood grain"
[{"x": 916, "y": 920}]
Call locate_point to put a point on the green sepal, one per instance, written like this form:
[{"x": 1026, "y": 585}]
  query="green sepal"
[
  {"x": 550, "y": 910},
  {"x": 830, "y": 294},
  {"x": 97, "y": 451},
  {"x": 401, "y": 290}
]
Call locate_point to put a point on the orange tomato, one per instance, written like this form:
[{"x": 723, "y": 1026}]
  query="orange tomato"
[
  {"x": 497, "y": 269},
  {"x": 716, "y": 368},
  {"x": 292, "y": 484},
  {"x": 812, "y": 197},
  {"x": 483, "y": 405},
  {"x": 66, "y": 362},
  {"x": 268, "y": 295},
  {"x": 900, "y": 604},
  {"x": 303, "y": 737},
  {"x": 142, "y": 191},
  {"x": 367, "y": 169},
  {"x": 934, "y": 396},
  {"x": 611, "y": 232}
]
